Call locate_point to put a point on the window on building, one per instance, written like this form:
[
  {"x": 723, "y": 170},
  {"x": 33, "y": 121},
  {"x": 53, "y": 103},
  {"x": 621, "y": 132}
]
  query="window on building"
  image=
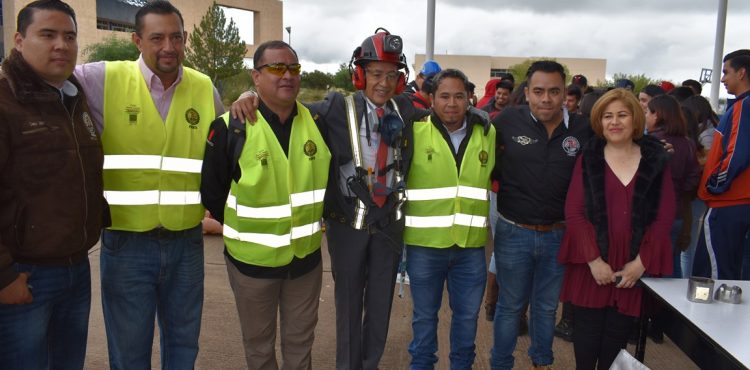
[
  {"x": 245, "y": 22},
  {"x": 117, "y": 15},
  {"x": 105, "y": 24},
  {"x": 497, "y": 72}
]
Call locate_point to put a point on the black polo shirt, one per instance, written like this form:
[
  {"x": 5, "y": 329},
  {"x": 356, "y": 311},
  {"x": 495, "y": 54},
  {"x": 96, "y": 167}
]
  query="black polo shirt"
[{"x": 535, "y": 170}]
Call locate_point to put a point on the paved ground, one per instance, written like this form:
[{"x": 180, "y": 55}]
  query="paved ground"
[{"x": 221, "y": 340}]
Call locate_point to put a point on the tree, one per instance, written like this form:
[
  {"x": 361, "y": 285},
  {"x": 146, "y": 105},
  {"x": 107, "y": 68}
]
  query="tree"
[
  {"x": 640, "y": 81},
  {"x": 112, "y": 48},
  {"x": 316, "y": 80},
  {"x": 519, "y": 70},
  {"x": 215, "y": 46},
  {"x": 342, "y": 79}
]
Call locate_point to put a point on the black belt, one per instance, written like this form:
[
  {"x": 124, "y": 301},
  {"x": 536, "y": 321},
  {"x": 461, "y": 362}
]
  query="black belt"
[
  {"x": 538, "y": 228},
  {"x": 372, "y": 228},
  {"x": 161, "y": 232}
]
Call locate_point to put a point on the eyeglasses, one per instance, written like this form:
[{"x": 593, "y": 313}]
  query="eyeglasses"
[
  {"x": 279, "y": 69},
  {"x": 391, "y": 76}
]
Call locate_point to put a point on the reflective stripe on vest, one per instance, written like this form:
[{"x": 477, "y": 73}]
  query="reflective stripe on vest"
[
  {"x": 445, "y": 208},
  {"x": 446, "y": 221},
  {"x": 152, "y": 162},
  {"x": 280, "y": 211},
  {"x": 152, "y": 166},
  {"x": 273, "y": 211},
  {"x": 447, "y": 193},
  {"x": 151, "y": 197},
  {"x": 273, "y": 240}
]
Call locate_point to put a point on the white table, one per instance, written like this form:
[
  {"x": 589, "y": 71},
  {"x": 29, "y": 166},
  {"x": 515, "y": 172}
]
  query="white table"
[{"x": 714, "y": 335}]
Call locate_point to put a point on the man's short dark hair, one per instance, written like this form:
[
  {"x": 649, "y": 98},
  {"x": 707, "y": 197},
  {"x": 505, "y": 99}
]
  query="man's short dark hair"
[
  {"x": 681, "y": 93},
  {"x": 652, "y": 90},
  {"x": 26, "y": 15},
  {"x": 449, "y": 73},
  {"x": 508, "y": 77},
  {"x": 580, "y": 80},
  {"x": 739, "y": 59},
  {"x": 547, "y": 66},
  {"x": 160, "y": 7},
  {"x": 693, "y": 84},
  {"x": 273, "y": 44},
  {"x": 505, "y": 84},
  {"x": 574, "y": 90}
]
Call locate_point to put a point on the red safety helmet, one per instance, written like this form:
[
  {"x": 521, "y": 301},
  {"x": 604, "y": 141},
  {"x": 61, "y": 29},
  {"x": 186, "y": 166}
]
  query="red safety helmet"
[{"x": 380, "y": 47}]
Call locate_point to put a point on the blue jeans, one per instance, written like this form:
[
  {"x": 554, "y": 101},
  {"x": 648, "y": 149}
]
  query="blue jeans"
[
  {"x": 686, "y": 258},
  {"x": 493, "y": 221},
  {"x": 464, "y": 269},
  {"x": 527, "y": 271},
  {"x": 674, "y": 234},
  {"x": 147, "y": 274},
  {"x": 50, "y": 332},
  {"x": 493, "y": 211}
]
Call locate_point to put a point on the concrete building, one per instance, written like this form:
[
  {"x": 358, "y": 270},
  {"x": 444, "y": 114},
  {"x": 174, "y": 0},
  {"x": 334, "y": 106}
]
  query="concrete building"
[
  {"x": 100, "y": 19},
  {"x": 482, "y": 68}
]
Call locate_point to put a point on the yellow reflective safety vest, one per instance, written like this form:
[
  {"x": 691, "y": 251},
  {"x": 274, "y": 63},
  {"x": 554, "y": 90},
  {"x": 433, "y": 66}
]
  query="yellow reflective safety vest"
[
  {"x": 274, "y": 211},
  {"x": 444, "y": 207},
  {"x": 152, "y": 167}
]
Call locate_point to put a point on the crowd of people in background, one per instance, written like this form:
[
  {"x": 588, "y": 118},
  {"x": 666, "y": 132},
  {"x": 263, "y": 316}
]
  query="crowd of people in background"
[
  {"x": 679, "y": 116},
  {"x": 580, "y": 191}
]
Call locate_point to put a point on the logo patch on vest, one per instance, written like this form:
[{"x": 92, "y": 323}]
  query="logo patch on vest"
[
  {"x": 571, "y": 146},
  {"x": 132, "y": 111},
  {"x": 524, "y": 140},
  {"x": 89, "y": 125},
  {"x": 262, "y": 156},
  {"x": 310, "y": 149},
  {"x": 192, "y": 116},
  {"x": 483, "y": 158},
  {"x": 429, "y": 151}
]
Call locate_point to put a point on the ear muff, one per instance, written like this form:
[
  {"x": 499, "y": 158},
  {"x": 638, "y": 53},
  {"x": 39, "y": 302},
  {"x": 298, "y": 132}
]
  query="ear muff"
[
  {"x": 401, "y": 83},
  {"x": 357, "y": 72},
  {"x": 358, "y": 78}
]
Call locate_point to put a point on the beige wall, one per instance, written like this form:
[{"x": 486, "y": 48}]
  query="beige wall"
[
  {"x": 477, "y": 67},
  {"x": 267, "y": 20}
]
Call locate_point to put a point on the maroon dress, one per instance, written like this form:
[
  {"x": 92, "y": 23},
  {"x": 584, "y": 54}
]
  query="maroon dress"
[{"x": 579, "y": 243}]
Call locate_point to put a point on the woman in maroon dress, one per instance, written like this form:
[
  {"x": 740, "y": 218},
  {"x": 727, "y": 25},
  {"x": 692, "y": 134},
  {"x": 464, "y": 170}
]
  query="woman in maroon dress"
[{"x": 619, "y": 211}]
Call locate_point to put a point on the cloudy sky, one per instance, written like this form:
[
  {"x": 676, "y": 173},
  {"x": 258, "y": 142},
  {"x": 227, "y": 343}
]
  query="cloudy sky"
[
  {"x": 663, "y": 39},
  {"x": 669, "y": 39}
]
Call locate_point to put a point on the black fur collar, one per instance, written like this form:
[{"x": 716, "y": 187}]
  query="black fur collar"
[
  {"x": 25, "y": 84},
  {"x": 646, "y": 194}
]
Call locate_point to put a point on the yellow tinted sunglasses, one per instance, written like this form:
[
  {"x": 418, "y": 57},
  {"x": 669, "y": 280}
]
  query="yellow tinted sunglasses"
[{"x": 279, "y": 69}]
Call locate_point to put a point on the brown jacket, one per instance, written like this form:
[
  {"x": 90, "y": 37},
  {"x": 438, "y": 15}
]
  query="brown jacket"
[{"x": 51, "y": 200}]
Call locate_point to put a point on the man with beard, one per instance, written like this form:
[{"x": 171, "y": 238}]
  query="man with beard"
[
  {"x": 155, "y": 116},
  {"x": 536, "y": 153}
]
